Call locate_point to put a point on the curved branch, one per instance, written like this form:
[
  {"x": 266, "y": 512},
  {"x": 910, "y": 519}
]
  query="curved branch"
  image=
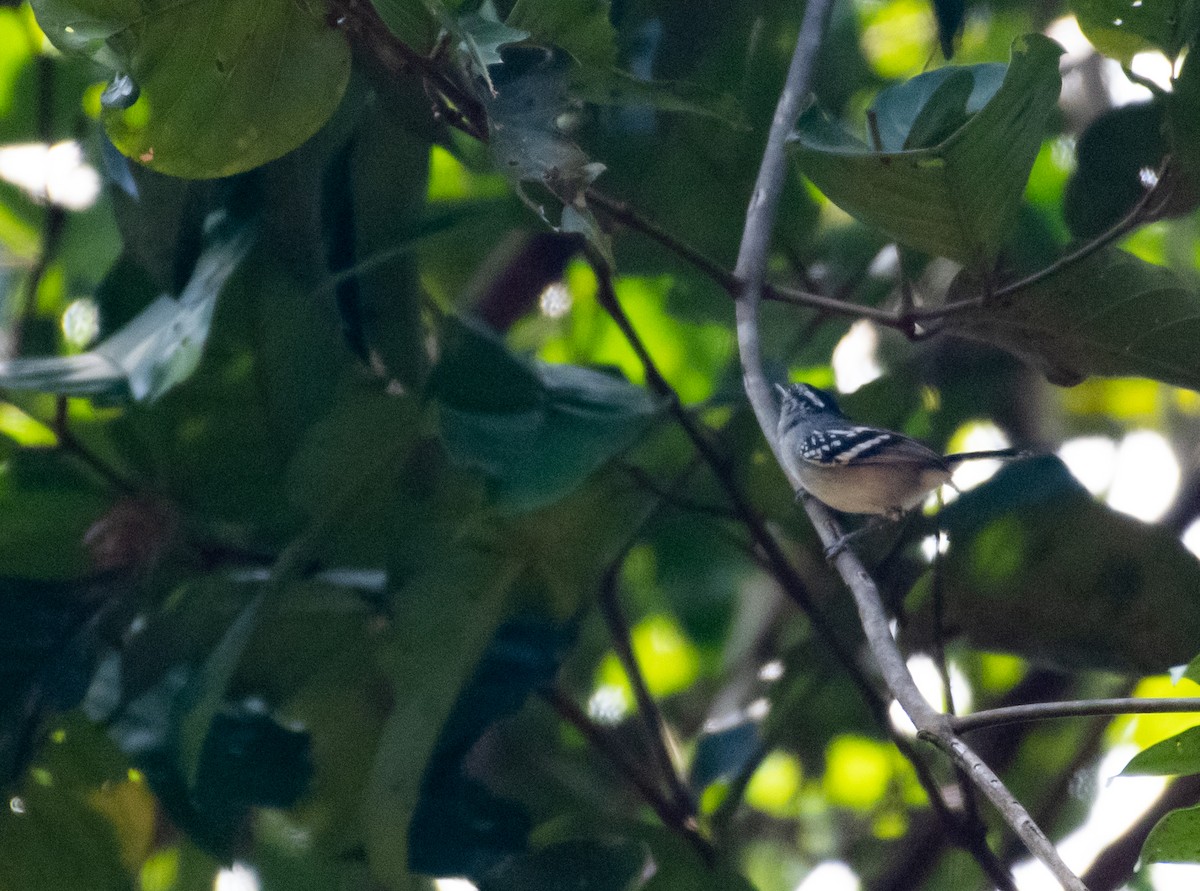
[{"x": 750, "y": 270}]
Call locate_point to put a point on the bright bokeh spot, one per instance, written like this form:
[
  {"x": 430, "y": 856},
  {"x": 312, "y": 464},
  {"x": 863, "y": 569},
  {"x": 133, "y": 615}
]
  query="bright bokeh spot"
[
  {"x": 238, "y": 877},
  {"x": 81, "y": 322},
  {"x": 1191, "y": 538},
  {"x": 976, "y": 436},
  {"x": 450, "y": 180},
  {"x": 1000, "y": 672},
  {"x": 160, "y": 872},
  {"x": 1146, "y": 476},
  {"x": 57, "y": 174},
  {"x": 669, "y": 661},
  {"x": 453, "y": 885},
  {"x": 775, "y": 785},
  {"x": 610, "y": 703},
  {"x": 854, "y": 359},
  {"x": 857, "y": 772},
  {"x": 24, "y": 430},
  {"x": 1154, "y": 67},
  {"x": 832, "y": 875},
  {"x": 897, "y": 37},
  {"x": 1092, "y": 460},
  {"x": 1146, "y": 730}
]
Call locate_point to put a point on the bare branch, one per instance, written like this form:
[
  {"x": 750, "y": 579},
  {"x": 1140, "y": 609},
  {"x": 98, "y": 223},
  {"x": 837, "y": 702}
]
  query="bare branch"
[
  {"x": 1045, "y": 711},
  {"x": 752, "y": 260}
]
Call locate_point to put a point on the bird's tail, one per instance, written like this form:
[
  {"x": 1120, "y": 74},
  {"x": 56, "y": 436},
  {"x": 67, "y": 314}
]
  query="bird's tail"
[{"x": 1003, "y": 454}]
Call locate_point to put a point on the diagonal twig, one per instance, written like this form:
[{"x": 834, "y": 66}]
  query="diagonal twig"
[{"x": 932, "y": 726}]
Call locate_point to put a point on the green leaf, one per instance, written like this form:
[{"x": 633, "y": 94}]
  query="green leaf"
[
  {"x": 1110, "y": 315},
  {"x": 581, "y": 27},
  {"x": 899, "y": 108},
  {"x": 1183, "y": 122},
  {"x": 1122, "y": 29},
  {"x": 1177, "y": 756},
  {"x": 47, "y": 506},
  {"x": 1038, "y": 568},
  {"x": 225, "y": 86},
  {"x": 613, "y": 87},
  {"x": 1176, "y": 838},
  {"x": 594, "y": 864},
  {"x": 1111, "y": 155},
  {"x": 154, "y": 352},
  {"x": 535, "y": 431},
  {"x": 957, "y": 199},
  {"x": 444, "y": 619}
]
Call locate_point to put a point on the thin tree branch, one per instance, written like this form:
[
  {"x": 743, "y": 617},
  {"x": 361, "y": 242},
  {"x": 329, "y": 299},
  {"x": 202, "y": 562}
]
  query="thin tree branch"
[
  {"x": 751, "y": 266},
  {"x": 1045, "y": 711},
  {"x": 667, "y": 811},
  {"x": 656, "y": 727}
]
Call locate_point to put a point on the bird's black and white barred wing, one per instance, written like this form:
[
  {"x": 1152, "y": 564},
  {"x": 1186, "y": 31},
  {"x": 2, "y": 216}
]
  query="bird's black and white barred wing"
[{"x": 865, "y": 445}]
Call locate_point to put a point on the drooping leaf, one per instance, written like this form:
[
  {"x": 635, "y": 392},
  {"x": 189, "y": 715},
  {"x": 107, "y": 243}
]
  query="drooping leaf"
[
  {"x": 224, "y": 86},
  {"x": 1175, "y": 839},
  {"x": 1177, "y": 756},
  {"x": 1037, "y": 567},
  {"x": 535, "y": 430},
  {"x": 1110, "y": 315},
  {"x": 899, "y": 108},
  {"x": 1122, "y": 29},
  {"x": 957, "y": 199},
  {"x": 158, "y": 349}
]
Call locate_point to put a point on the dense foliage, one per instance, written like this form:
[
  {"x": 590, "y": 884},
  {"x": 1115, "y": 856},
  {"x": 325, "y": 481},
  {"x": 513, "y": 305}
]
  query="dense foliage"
[{"x": 371, "y": 408}]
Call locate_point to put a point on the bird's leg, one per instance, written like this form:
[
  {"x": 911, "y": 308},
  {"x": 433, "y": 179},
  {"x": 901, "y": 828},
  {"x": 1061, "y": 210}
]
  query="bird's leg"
[{"x": 871, "y": 525}]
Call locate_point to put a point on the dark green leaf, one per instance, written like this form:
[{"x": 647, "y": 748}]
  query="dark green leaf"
[
  {"x": 958, "y": 199},
  {"x": 1177, "y": 756},
  {"x": 950, "y": 14},
  {"x": 254, "y": 83},
  {"x": 154, "y": 352},
  {"x": 899, "y": 108},
  {"x": 584, "y": 865},
  {"x": 581, "y": 27},
  {"x": 536, "y": 431},
  {"x": 444, "y": 618},
  {"x": 1176, "y": 838},
  {"x": 1183, "y": 120},
  {"x": 250, "y": 760},
  {"x": 1110, "y": 314},
  {"x": 1112, "y": 154},
  {"x": 613, "y": 87},
  {"x": 1038, "y": 568}
]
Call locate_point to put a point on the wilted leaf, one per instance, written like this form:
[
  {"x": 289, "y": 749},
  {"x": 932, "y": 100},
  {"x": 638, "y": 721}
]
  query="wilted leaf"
[
  {"x": 1110, "y": 315},
  {"x": 957, "y": 199},
  {"x": 224, "y": 86}
]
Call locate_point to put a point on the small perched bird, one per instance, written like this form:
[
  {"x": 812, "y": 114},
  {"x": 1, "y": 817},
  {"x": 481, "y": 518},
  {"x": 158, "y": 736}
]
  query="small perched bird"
[{"x": 856, "y": 469}]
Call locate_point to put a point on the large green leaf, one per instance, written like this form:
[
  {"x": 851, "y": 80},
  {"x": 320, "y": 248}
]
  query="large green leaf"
[
  {"x": 158, "y": 349},
  {"x": 1122, "y": 29},
  {"x": 444, "y": 618},
  {"x": 1176, "y": 838},
  {"x": 1177, "y": 756},
  {"x": 1111, "y": 315},
  {"x": 1037, "y": 567},
  {"x": 224, "y": 85},
  {"x": 958, "y": 198},
  {"x": 535, "y": 430}
]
